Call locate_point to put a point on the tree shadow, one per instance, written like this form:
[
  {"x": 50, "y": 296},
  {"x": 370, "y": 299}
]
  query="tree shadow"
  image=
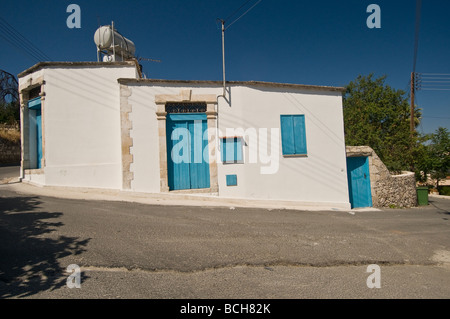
[
  {"x": 29, "y": 254},
  {"x": 443, "y": 209}
]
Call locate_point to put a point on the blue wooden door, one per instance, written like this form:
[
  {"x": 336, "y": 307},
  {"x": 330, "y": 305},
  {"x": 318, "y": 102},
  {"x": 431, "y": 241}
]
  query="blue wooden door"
[
  {"x": 359, "y": 182},
  {"x": 187, "y": 151},
  {"x": 198, "y": 166},
  {"x": 178, "y": 154},
  {"x": 35, "y": 105},
  {"x": 39, "y": 137}
]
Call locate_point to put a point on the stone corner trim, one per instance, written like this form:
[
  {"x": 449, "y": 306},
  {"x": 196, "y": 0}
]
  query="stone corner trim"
[
  {"x": 387, "y": 189},
  {"x": 126, "y": 140}
]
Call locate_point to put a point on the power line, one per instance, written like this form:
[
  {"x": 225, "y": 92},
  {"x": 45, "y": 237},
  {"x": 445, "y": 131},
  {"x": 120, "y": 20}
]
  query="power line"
[
  {"x": 413, "y": 74},
  {"x": 417, "y": 29},
  {"x": 244, "y": 13},
  {"x": 14, "y": 42},
  {"x": 237, "y": 10},
  {"x": 435, "y": 74},
  {"x": 432, "y": 81},
  {"x": 223, "y": 36},
  {"x": 14, "y": 37},
  {"x": 27, "y": 42},
  {"x": 5, "y": 34},
  {"x": 435, "y": 88},
  {"x": 24, "y": 42},
  {"x": 436, "y": 117},
  {"x": 33, "y": 58}
]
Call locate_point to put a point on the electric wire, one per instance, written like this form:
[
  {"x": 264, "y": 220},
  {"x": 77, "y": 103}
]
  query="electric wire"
[
  {"x": 20, "y": 40},
  {"x": 17, "y": 45},
  {"x": 435, "y": 74},
  {"x": 15, "y": 38},
  {"x": 248, "y": 10},
  {"x": 237, "y": 10},
  {"x": 435, "y": 88},
  {"x": 433, "y": 81},
  {"x": 28, "y": 42},
  {"x": 28, "y": 54},
  {"x": 417, "y": 29}
]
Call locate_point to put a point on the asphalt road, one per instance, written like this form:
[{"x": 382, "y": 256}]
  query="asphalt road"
[
  {"x": 9, "y": 171},
  {"x": 132, "y": 250}
]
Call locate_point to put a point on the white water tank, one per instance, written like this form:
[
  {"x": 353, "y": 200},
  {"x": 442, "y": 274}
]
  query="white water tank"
[{"x": 103, "y": 39}]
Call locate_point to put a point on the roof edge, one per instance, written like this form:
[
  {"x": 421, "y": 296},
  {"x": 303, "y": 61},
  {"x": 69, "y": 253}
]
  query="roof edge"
[
  {"x": 41, "y": 65},
  {"x": 244, "y": 83}
]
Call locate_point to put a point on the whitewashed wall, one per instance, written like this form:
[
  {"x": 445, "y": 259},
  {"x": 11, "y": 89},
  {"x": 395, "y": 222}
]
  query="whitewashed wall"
[
  {"x": 320, "y": 177},
  {"x": 82, "y": 126},
  {"x": 83, "y": 142},
  {"x": 145, "y": 149}
]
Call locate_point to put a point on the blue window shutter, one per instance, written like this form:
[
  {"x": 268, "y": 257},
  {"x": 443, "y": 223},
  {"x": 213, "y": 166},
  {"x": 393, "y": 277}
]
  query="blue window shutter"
[
  {"x": 238, "y": 149},
  {"x": 293, "y": 134},
  {"x": 35, "y": 104},
  {"x": 224, "y": 149},
  {"x": 287, "y": 135},
  {"x": 231, "y": 150},
  {"x": 299, "y": 134},
  {"x": 231, "y": 180}
]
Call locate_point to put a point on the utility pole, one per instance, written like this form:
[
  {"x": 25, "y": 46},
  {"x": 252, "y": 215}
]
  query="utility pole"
[
  {"x": 413, "y": 87},
  {"x": 223, "y": 54},
  {"x": 223, "y": 35}
]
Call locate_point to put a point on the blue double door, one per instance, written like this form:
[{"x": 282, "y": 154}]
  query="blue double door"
[
  {"x": 359, "y": 182},
  {"x": 187, "y": 151}
]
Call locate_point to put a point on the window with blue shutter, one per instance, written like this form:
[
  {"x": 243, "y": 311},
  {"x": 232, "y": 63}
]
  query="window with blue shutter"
[
  {"x": 293, "y": 134},
  {"x": 231, "y": 180},
  {"x": 231, "y": 148}
]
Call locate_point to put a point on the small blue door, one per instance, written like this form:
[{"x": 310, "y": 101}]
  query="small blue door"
[
  {"x": 359, "y": 182},
  {"x": 187, "y": 151},
  {"x": 35, "y": 104},
  {"x": 39, "y": 137}
]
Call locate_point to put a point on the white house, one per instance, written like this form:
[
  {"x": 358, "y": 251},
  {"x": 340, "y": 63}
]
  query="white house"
[{"x": 101, "y": 125}]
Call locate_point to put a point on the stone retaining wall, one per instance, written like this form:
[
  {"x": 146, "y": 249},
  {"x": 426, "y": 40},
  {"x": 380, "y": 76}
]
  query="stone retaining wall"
[
  {"x": 9, "y": 152},
  {"x": 397, "y": 190},
  {"x": 387, "y": 190}
]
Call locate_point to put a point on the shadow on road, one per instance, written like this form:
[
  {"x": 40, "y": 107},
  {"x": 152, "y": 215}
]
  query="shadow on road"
[
  {"x": 439, "y": 205},
  {"x": 28, "y": 252}
]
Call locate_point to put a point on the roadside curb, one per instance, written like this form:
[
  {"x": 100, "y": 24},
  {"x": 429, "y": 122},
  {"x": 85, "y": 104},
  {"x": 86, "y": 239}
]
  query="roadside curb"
[
  {"x": 162, "y": 199},
  {"x": 10, "y": 180},
  {"x": 439, "y": 196}
]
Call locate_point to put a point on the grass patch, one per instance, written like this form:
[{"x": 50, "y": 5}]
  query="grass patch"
[
  {"x": 444, "y": 190},
  {"x": 12, "y": 136}
]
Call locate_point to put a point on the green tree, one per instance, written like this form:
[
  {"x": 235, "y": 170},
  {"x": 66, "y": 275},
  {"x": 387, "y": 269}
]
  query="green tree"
[
  {"x": 377, "y": 115},
  {"x": 440, "y": 154},
  {"x": 10, "y": 113},
  {"x": 423, "y": 158}
]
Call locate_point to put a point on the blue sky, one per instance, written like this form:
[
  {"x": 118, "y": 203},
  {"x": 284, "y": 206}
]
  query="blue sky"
[{"x": 304, "y": 42}]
